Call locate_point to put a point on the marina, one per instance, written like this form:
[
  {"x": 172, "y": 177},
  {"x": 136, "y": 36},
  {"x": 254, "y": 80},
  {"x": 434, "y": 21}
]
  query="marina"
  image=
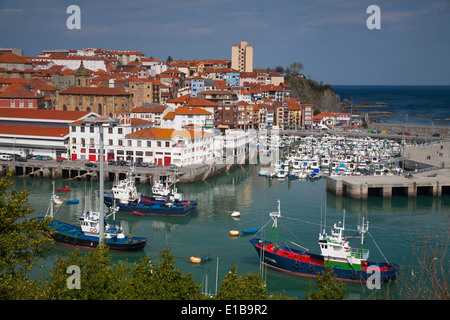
[{"x": 233, "y": 206}]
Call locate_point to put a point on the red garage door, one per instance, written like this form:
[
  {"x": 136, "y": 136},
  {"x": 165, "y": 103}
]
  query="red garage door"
[{"x": 167, "y": 161}]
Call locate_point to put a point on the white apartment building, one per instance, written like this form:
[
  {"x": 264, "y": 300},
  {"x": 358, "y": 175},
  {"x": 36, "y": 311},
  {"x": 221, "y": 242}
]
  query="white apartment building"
[
  {"x": 186, "y": 117},
  {"x": 84, "y": 140},
  {"x": 168, "y": 146}
]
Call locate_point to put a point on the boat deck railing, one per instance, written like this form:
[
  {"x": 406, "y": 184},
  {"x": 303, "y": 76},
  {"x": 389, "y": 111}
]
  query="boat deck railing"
[{"x": 356, "y": 253}]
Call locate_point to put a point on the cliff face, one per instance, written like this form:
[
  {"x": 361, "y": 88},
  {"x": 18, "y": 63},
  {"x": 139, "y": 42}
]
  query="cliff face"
[{"x": 309, "y": 91}]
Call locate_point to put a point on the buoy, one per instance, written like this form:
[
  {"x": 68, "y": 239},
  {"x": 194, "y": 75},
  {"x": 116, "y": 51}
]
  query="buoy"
[
  {"x": 195, "y": 259},
  {"x": 234, "y": 232},
  {"x": 235, "y": 214}
]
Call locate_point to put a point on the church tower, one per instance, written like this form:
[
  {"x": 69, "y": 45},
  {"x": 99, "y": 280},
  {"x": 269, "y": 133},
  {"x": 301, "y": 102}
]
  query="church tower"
[{"x": 82, "y": 76}]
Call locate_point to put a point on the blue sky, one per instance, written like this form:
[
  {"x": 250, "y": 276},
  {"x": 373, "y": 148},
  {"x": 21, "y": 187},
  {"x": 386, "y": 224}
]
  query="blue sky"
[{"x": 329, "y": 37}]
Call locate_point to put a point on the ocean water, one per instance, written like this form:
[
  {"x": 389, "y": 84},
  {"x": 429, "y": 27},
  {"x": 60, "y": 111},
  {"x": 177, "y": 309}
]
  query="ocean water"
[
  {"x": 305, "y": 206},
  {"x": 425, "y": 105}
]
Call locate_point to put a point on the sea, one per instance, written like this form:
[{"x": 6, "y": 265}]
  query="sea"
[
  {"x": 397, "y": 225},
  {"x": 422, "y": 105}
]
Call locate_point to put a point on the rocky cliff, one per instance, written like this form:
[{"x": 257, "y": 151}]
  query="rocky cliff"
[{"x": 321, "y": 96}]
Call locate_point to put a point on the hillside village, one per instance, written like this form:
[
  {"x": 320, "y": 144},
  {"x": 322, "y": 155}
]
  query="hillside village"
[{"x": 171, "y": 112}]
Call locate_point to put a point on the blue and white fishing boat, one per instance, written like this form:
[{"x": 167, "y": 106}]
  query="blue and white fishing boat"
[
  {"x": 87, "y": 234},
  {"x": 348, "y": 264},
  {"x": 165, "y": 200}
]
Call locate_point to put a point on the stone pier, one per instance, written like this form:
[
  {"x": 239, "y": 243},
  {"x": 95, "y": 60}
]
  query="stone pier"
[{"x": 433, "y": 183}]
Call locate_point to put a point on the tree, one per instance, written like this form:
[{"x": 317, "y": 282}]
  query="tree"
[
  {"x": 102, "y": 280},
  {"x": 169, "y": 59},
  {"x": 244, "y": 287},
  {"x": 23, "y": 241},
  {"x": 296, "y": 67},
  {"x": 328, "y": 288}
]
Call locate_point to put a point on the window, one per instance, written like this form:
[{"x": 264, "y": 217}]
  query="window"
[
  {"x": 82, "y": 129},
  {"x": 74, "y": 140},
  {"x": 110, "y": 130},
  {"x": 120, "y": 130},
  {"x": 158, "y": 144},
  {"x": 149, "y": 144},
  {"x": 167, "y": 144},
  {"x": 110, "y": 142},
  {"x": 139, "y": 143},
  {"x": 74, "y": 129},
  {"x": 91, "y": 129}
]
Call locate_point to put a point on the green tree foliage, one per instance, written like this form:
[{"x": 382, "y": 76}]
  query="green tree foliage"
[
  {"x": 244, "y": 287},
  {"x": 102, "y": 280},
  {"x": 23, "y": 241},
  {"x": 328, "y": 288}
]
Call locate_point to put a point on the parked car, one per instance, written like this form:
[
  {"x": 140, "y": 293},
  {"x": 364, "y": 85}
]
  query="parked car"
[
  {"x": 21, "y": 159},
  {"x": 46, "y": 158},
  {"x": 436, "y": 134},
  {"x": 90, "y": 165},
  {"x": 172, "y": 167},
  {"x": 60, "y": 158},
  {"x": 6, "y": 157},
  {"x": 152, "y": 165}
]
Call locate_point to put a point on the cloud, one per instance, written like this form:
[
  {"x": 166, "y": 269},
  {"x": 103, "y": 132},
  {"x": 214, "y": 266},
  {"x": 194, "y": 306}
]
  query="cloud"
[{"x": 10, "y": 11}]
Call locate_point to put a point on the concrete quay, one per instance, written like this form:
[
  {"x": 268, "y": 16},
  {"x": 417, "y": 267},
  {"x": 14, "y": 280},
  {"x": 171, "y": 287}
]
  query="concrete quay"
[
  {"x": 432, "y": 178},
  {"x": 76, "y": 170},
  {"x": 432, "y": 183}
]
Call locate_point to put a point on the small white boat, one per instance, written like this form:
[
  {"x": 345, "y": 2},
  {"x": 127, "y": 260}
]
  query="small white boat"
[{"x": 235, "y": 214}]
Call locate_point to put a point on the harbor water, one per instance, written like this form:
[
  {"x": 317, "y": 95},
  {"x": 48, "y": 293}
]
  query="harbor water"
[{"x": 305, "y": 206}]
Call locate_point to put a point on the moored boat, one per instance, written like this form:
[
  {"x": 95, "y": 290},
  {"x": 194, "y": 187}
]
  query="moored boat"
[
  {"x": 165, "y": 200},
  {"x": 347, "y": 264},
  {"x": 87, "y": 234}
]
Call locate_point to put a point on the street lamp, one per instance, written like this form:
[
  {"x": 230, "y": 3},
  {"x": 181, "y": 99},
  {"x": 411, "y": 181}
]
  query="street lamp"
[{"x": 100, "y": 122}]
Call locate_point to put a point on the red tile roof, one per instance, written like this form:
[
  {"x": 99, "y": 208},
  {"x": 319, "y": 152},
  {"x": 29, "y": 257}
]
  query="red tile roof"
[
  {"x": 191, "y": 110},
  {"x": 10, "y": 57},
  {"x": 34, "y": 131},
  {"x": 42, "y": 114},
  {"x": 20, "y": 93}
]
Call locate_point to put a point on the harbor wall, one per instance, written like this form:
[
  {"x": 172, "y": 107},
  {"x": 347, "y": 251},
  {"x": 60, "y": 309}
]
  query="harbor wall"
[
  {"x": 77, "y": 171},
  {"x": 435, "y": 184}
]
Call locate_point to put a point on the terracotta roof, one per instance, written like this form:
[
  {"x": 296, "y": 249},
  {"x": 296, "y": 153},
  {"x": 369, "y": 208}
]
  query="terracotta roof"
[
  {"x": 42, "y": 114},
  {"x": 20, "y": 93},
  {"x": 170, "y": 115},
  {"x": 158, "y": 109},
  {"x": 97, "y": 91},
  {"x": 34, "y": 131},
  {"x": 191, "y": 110},
  {"x": 192, "y": 101},
  {"x": 10, "y": 57},
  {"x": 165, "y": 134}
]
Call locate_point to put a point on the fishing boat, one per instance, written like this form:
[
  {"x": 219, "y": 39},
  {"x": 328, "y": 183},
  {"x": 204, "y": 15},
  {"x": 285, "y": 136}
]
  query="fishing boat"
[
  {"x": 66, "y": 189},
  {"x": 165, "y": 200},
  {"x": 348, "y": 264},
  {"x": 94, "y": 226},
  {"x": 87, "y": 234},
  {"x": 73, "y": 201}
]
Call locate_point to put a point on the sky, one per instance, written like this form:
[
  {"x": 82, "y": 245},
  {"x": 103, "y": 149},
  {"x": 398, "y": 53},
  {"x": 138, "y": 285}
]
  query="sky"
[{"x": 329, "y": 37}]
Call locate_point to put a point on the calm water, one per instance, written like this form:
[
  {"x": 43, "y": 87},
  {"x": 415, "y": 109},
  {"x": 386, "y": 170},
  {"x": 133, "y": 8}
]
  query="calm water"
[
  {"x": 424, "y": 105},
  {"x": 206, "y": 230}
]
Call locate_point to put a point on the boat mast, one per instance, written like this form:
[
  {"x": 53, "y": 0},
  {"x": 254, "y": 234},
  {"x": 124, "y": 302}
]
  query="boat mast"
[
  {"x": 273, "y": 232},
  {"x": 100, "y": 121}
]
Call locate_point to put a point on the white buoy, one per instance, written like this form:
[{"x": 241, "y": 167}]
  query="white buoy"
[{"x": 235, "y": 214}]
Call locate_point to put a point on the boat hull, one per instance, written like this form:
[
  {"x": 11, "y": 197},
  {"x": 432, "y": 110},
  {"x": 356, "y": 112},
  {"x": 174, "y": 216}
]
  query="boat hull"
[
  {"x": 69, "y": 235},
  {"x": 301, "y": 263},
  {"x": 151, "y": 206}
]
